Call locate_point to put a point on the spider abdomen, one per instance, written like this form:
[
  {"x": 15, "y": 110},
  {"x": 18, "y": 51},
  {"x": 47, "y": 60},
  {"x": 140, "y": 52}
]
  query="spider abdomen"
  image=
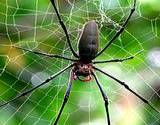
[{"x": 88, "y": 42}]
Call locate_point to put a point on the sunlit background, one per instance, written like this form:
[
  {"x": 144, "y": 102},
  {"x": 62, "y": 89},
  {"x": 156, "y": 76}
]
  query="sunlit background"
[{"x": 32, "y": 24}]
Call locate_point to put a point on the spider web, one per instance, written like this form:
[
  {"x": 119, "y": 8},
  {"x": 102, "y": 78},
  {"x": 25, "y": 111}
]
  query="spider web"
[{"x": 33, "y": 25}]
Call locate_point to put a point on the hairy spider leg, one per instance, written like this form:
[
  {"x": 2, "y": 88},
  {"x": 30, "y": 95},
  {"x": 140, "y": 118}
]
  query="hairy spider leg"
[
  {"x": 45, "y": 54},
  {"x": 66, "y": 96},
  {"x": 114, "y": 60},
  {"x": 127, "y": 87},
  {"x": 32, "y": 89},
  {"x": 120, "y": 31},
  {"x": 118, "y": 60},
  {"x": 64, "y": 29},
  {"x": 105, "y": 98}
]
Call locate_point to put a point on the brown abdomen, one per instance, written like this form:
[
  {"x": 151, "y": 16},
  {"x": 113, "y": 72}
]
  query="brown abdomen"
[{"x": 89, "y": 41}]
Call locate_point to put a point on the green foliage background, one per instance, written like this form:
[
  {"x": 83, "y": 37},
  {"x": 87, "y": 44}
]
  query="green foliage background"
[{"x": 34, "y": 25}]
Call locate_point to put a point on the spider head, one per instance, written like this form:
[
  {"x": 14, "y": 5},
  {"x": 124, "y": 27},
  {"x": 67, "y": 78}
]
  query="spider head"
[{"x": 82, "y": 70}]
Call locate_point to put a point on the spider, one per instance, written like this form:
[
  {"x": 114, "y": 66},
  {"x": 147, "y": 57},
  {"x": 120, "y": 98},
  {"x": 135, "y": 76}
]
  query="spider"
[{"x": 83, "y": 67}]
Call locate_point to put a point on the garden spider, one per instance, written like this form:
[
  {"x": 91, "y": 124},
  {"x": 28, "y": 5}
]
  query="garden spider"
[{"x": 83, "y": 65}]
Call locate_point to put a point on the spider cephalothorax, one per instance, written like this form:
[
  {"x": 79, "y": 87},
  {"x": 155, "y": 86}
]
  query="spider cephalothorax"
[
  {"x": 83, "y": 66},
  {"x": 84, "y": 70}
]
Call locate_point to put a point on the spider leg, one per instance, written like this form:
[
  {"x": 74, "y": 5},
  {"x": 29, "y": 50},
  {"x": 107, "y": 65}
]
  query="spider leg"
[
  {"x": 66, "y": 96},
  {"x": 114, "y": 60},
  {"x": 64, "y": 28},
  {"x": 127, "y": 87},
  {"x": 32, "y": 89},
  {"x": 118, "y": 60},
  {"x": 119, "y": 32},
  {"x": 45, "y": 54},
  {"x": 105, "y": 98}
]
